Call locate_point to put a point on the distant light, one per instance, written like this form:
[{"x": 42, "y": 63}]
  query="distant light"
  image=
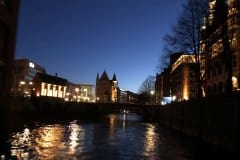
[
  {"x": 3, "y": 156},
  {"x": 163, "y": 103},
  {"x": 32, "y": 65},
  {"x": 152, "y": 92},
  {"x": 235, "y": 83},
  {"x": 203, "y": 27},
  {"x": 77, "y": 89},
  {"x": 174, "y": 98},
  {"x": 22, "y": 82}
]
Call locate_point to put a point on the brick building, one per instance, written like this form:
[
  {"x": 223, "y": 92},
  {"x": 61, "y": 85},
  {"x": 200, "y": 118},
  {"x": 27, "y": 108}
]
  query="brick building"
[{"x": 106, "y": 89}]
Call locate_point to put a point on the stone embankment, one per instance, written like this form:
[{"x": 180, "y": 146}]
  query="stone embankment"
[{"x": 214, "y": 119}]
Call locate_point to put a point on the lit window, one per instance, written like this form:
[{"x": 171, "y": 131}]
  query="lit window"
[{"x": 235, "y": 83}]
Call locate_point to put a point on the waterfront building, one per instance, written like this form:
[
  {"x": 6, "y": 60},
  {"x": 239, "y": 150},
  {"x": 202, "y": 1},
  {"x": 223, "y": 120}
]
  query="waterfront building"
[
  {"x": 183, "y": 78},
  {"x": 80, "y": 92},
  {"x": 162, "y": 85},
  {"x": 50, "y": 86},
  {"x": 127, "y": 97},
  {"x": 8, "y": 27},
  {"x": 24, "y": 72},
  {"x": 220, "y": 47},
  {"x": 106, "y": 89}
]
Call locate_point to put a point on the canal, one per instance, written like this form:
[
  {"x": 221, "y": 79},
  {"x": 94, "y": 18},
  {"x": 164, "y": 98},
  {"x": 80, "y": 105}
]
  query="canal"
[{"x": 110, "y": 136}]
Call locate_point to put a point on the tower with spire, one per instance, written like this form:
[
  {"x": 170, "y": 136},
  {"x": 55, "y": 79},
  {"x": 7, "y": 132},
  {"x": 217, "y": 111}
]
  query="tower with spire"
[{"x": 106, "y": 89}]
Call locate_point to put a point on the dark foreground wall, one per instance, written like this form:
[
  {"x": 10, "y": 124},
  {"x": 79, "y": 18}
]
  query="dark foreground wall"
[{"x": 215, "y": 119}]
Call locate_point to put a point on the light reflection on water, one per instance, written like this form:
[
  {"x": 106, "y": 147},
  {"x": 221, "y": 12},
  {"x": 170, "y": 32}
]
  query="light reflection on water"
[
  {"x": 48, "y": 142},
  {"x": 116, "y": 136}
]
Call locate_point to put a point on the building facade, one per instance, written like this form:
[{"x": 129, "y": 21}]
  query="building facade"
[
  {"x": 50, "y": 86},
  {"x": 183, "y": 78},
  {"x": 80, "y": 92},
  {"x": 163, "y": 85},
  {"x": 106, "y": 89},
  {"x": 23, "y": 74},
  {"x": 8, "y": 27},
  {"x": 127, "y": 97},
  {"x": 220, "y": 47}
]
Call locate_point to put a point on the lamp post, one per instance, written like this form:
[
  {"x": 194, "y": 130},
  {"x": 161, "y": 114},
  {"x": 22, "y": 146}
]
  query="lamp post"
[{"x": 152, "y": 92}]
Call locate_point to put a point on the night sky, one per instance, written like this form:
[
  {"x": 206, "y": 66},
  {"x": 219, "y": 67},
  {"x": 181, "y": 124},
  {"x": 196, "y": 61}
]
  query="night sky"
[{"x": 79, "y": 38}]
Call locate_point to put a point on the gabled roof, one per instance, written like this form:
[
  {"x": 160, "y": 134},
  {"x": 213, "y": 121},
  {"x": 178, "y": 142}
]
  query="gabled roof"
[
  {"x": 104, "y": 75},
  {"x": 114, "y": 77},
  {"x": 46, "y": 78}
]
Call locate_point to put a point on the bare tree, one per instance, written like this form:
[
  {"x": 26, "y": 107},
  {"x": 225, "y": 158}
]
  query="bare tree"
[
  {"x": 147, "y": 85},
  {"x": 186, "y": 35},
  {"x": 146, "y": 91}
]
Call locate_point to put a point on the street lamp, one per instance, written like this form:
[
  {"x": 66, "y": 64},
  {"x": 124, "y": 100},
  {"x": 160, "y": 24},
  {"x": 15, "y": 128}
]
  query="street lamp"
[{"x": 152, "y": 92}]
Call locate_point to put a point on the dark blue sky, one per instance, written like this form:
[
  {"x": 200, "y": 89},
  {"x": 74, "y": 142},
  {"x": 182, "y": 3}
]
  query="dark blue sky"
[{"x": 78, "y": 38}]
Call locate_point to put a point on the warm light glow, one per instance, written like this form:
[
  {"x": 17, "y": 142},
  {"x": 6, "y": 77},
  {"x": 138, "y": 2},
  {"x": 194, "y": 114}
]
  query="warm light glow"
[
  {"x": 32, "y": 65},
  {"x": 151, "y": 139},
  {"x": 53, "y": 90},
  {"x": 235, "y": 83},
  {"x": 112, "y": 122},
  {"x": 43, "y": 90},
  {"x": 77, "y": 133},
  {"x": 21, "y": 140},
  {"x": 152, "y": 92},
  {"x": 174, "y": 98},
  {"x": 49, "y": 141},
  {"x": 22, "y": 82},
  {"x": 183, "y": 59},
  {"x": 204, "y": 27},
  {"x": 77, "y": 90},
  {"x": 186, "y": 84}
]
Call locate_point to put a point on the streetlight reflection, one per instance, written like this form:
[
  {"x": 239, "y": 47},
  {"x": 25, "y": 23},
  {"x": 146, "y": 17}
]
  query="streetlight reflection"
[
  {"x": 151, "y": 139},
  {"x": 77, "y": 133}
]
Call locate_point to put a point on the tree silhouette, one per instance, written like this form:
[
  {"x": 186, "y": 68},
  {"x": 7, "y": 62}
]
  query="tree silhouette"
[{"x": 186, "y": 35}]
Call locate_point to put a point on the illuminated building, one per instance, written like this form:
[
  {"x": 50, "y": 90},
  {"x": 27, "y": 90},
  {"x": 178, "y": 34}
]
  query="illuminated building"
[
  {"x": 50, "y": 86},
  {"x": 23, "y": 73},
  {"x": 106, "y": 89},
  {"x": 220, "y": 47},
  {"x": 162, "y": 85},
  {"x": 8, "y": 26},
  {"x": 80, "y": 92},
  {"x": 183, "y": 78},
  {"x": 127, "y": 96}
]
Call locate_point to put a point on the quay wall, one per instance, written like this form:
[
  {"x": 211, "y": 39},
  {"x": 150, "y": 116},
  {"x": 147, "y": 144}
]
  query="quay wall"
[{"x": 214, "y": 119}]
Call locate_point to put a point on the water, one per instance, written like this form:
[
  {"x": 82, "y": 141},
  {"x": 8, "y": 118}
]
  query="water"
[{"x": 114, "y": 136}]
